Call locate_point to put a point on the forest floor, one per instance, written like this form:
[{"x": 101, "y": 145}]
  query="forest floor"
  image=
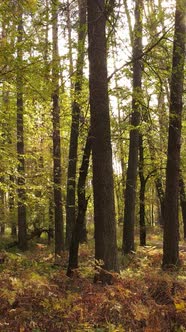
[{"x": 36, "y": 295}]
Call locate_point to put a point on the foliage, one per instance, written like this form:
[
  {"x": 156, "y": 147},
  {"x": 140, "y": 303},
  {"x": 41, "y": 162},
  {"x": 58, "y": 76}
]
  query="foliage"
[{"x": 36, "y": 295}]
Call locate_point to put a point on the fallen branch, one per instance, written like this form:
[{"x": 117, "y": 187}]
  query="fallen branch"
[{"x": 34, "y": 234}]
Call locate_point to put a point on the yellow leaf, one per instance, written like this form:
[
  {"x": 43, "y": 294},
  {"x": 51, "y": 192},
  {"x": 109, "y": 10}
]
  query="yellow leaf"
[
  {"x": 57, "y": 306},
  {"x": 180, "y": 305},
  {"x": 22, "y": 329}
]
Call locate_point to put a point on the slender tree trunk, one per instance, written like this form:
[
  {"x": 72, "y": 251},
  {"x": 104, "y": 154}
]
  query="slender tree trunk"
[
  {"x": 171, "y": 225},
  {"x": 4, "y": 136},
  {"x": 163, "y": 131},
  {"x": 154, "y": 156},
  {"x": 2, "y": 232},
  {"x": 51, "y": 218},
  {"x": 58, "y": 215},
  {"x": 82, "y": 207},
  {"x": 158, "y": 183},
  {"x": 46, "y": 41},
  {"x": 2, "y": 208},
  {"x": 183, "y": 203},
  {"x": 46, "y": 59},
  {"x": 103, "y": 188},
  {"x": 82, "y": 200},
  {"x": 130, "y": 192},
  {"x": 76, "y": 108},
  {"x": 128, "y": 20},
  {"x": 161, "y": 196},
  {"x": 142, "y": 193},
  {"x": 121, "y": 183},
  {"x": 7, "y": 135},
  {"x": 11, "y": 206},
  {"x": 70, "y": 46},
  {"x": 22, "y": 228}
]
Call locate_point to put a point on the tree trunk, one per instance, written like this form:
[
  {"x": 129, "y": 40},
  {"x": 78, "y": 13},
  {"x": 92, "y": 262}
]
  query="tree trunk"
[
  {"x": 82, "y": 207},
  {"x": 158, "y": 182},
  {"x": 163, "y": 130},
  {"x": 161, "y": 196},
  {"x": 142, "y": 194},
  {"x": 46, "y": 43},
  {"x": 22, "y": 228},
  {"x": 2, "y": 207},
  {"x": 120, "y": 191},
  {"x": 82, "y": 200},
  {"x": 171, "y": 225},
  {"x": 183, "y": 203},
  {"x": 58, "y": 215},
  {"x": 130, "y": 192},
  {"x": 50, "y": 218},
  {"x": 7, "y": 136},
  {"x": 103, "y": 188},
  {"x": 76, "y": 108},
  {"x": 2, "y": 231},
  {"x": 70, "y": 46},
  {"x": 11, "y": 202},
  {"x": 127, "y": 11}
]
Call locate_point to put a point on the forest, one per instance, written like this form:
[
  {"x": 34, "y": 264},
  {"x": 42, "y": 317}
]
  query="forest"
[{"x": 93, "y": 165}]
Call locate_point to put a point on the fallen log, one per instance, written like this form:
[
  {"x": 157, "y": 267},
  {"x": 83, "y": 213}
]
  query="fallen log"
[{"x": 36, "y": 233}]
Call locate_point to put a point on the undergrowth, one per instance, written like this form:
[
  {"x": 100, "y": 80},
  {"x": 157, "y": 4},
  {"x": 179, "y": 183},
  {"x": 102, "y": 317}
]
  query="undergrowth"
[{"x": 36, "y": 295}]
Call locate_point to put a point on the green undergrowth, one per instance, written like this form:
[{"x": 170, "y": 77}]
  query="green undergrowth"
[{"x": 36, "y": 295}]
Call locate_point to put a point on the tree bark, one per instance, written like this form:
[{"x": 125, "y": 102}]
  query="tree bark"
[
  {"x": 58, "y": 214},
  {"x": 82, "y": 207},
  {"x": 103, "y": 188},
  {"x": 142, "y": 193},
  {"x": 82, "y": 199},
  {"x": 11, "y": 202},
  {"x": 70, "y": 46},
  {"x": 158, "y": 182},
  {"x": 171, "y": 225},
  {"x": 130, "y": 192},
  {"x": 183, "y": 203},
  {"x": 2, "y": 207},
  {"x": 120, "y": 187},
  {"x": 161, "y": 196},
  {"x": 22, "y": 227},
  {"x": 76, "y": 108}
]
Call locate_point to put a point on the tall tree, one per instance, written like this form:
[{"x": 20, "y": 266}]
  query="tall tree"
[
  {"x": 76, "y": 108},
  {"x": 22, "y": 228},
  {"x": 104, "y": 210},
  {"x": 130, "y": 192},
  {"x": 171, "y": 225},
  {"x": 58, "y": 214}
]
